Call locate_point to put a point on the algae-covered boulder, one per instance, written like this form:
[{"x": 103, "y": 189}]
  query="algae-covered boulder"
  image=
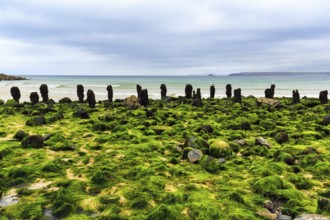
[
  {"x": 196, "y": 142},
  {"x": 11, "y": 103},
  {"x": 323, "y": 205},
  {"x": 326, "y": 120},
  {"x": 210, "y": 164},
  {"x": 81, "y": 114},
  {"x": 65, "y": 100},
  {"x": 33, "y": 141},
  {"x": 220, "y": 149},
  {"x": 281, "y": 137},
  {"x": 20, "y": 135},
  {"x": 36, "y": 121},
  {"x": 268, "y": 101}
]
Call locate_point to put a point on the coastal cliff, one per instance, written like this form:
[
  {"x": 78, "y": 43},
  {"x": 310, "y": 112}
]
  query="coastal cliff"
[{"x": 9, "y": 77}]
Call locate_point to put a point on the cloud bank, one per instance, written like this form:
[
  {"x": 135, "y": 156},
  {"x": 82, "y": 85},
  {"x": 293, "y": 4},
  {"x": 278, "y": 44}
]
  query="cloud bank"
[{"x": 139, "y": 37}]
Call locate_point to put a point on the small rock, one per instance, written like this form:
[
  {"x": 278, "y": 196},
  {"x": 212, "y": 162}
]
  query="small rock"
[
  {"x": 33, "y": 141},
  {"x": 269, "y": 205},
  {"x": 206, "y": 128},
  {"x": 241, "y": 142},
  {"x": 194, "y": 155},
  {"x": 65, "y": 100},
  {"x": 81, "y": 114},
  {"x": 311, "y": 217},
  {"x": 20, "y": 135},
  {"x": 267, "y": 214},
  {"x": 262, "y": 142},
  {"x": 268, "y": 101},
  {"x": 8, "y": 200},
  {"x": 281, "y": 137},
  {"x": 47, "y": 136},
  {"x": 284, "y": 217}
]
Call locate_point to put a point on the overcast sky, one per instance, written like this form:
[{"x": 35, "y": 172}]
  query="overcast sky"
[{"x": 114, "y": 37}]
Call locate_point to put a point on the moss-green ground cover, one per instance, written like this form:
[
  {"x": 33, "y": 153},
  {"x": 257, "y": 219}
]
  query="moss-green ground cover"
[{"x": 121, "y": 164}]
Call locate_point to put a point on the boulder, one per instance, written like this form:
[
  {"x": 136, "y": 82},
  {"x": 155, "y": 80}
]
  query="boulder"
[
  {"x": 138, "y": 90},
  {"x": 81, "y": 114},
  {"x": 194, "y": 155},
  {"x": 20, "y": 135},
  {"x": 311, "y": 217},
  {"x": 262, "y": 142},
  {"x": 36, "y": 121},
  {"x": 220, "y": 149},
  {"x": 34, "y": 98},
  {"x": 206, "y": 128},
  {"x": 33, "y": 141},
  {"x": 326, "y": 120},
  {"x": 268, "y": 101},
  {"x": 295, "y": 97},
  {"x": 281, "y": 137},
  {"x": 65, "y": 100},
  {"x": 269, "y": 93},
  {"x": 131, "y": 101},
  {"x": 144, "y": 99}
]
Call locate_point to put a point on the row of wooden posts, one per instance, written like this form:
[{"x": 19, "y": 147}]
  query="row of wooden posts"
[{"x": 143, "y": 94}]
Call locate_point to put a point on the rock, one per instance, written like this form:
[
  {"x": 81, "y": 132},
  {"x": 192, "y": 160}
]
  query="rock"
[
  {"x": 206, "y": 128},
  {"x": 110, "y": 93},
  {"x": 265, "y": 214},
  {"x": 36, "y": 121},
  {"x": 212, "y": 91},
  {"x": 269, "y": 205},
  {"x": 47, "y": 137},
  {"x": 312, "y": 217},
  {"x": 228, "y": 90},
  {"x": 262, "y": 142},
  {"x": 268, "y": 101},
  {"x": 15, "y": 93},
  {"x": 220, "y": 149},
  {"x": 237, "y": 96},
  {"x": 163, "y": 91},
  {"x": 9, "y": 77},
  {"x": 144, "y": 99},
  {"x": 194, "y": 155},
  {"x": 326, "y": 120},
  {"x": 91, "y": 98},
  {"x": 284, "y": 217},
  {"x": 241, "y": 142},
  {"x": 65, "y": 100},
  {"x": 281, "y": 137},
  {"x": 195, "y": 142},
  {"x": 132, "y": 101},
  {"x": 34, "y": 98},
  {"x": 8, "y": 200},
  {"x": 44, "y": 92},
  {"x": 81, "y": 114},
  {"x": 80, "y": 93},
  {"x": 269, "y": 93},
  {"x": 323, "y": 97},
  {"x": 197, "y": 102},
  {"x": 295, "y": 97},
  {"x": 20, "y": 135},
  {"x": 323, "y": 205},
  {"x": 33, "y": 141},
  {"x": 188, "y": 91}
]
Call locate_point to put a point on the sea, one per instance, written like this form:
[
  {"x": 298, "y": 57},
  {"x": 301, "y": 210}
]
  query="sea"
[{"x": 308, "y": 84}]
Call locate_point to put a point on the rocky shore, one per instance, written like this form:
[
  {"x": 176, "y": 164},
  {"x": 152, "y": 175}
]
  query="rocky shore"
[{"x": 10, "y": 77}]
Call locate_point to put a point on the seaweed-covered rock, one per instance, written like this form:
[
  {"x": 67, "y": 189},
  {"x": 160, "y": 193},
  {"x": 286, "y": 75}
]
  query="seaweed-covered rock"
[
  {"x": 110, "y": 93},
  {"x": 44, "y": 92},
  {"x": 269, "y": 93},
  {"x": 132, "y": 101},
  {"x": 262, "y": 142},
  {"x": 36, "y": 121},
  {"x": 144, "y": 99},
  {"x": 326, "y": 120},
  {"x": 295, "y": 97},
  {"x": 237, "y": 96},
  {"x": 206, "y": 128},
  {"x": 212, "y": 91},
  {"x": 34, "y": 98},
  {"x": 228, "y": 91},
  {"x": 65, "y": 100},
  {"x": 323, "y": 97},
  {"x": 188, "y": 91},
  {"x": 163, "y": 91},
  {"x": 81, "y": 114},
  {"x": 138, "y": 90},
  {"x": 20, "y": 135},
  {"x": 197, "y": 102},
  {"x": 323, "y": 205},
  {"x": 33, "y": 141},
  {"x": 91, "y": 98},
  {"x": 220, "y": 149},
  {"x": 15, "y": 93},
  {"x": 196, "y": 142},
  {"x": 194, "y": 155},
  {"x": 80, "y": 93},
  {"x": 268, "y": 101},
  {"x": 281, "y": 137}
]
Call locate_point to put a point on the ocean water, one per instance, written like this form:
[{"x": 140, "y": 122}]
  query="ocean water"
[{"x": 123, "y": 86}]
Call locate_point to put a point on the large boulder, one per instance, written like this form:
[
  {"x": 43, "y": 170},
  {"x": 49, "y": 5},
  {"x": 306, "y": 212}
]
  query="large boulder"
[
  {"x": 33, "y": 141},
  {"x": 36, "y": 121},
  {"x": 268, "y": 101}
]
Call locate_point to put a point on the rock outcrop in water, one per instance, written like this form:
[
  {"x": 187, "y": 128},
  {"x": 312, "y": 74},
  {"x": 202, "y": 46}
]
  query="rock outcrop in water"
[
  {"x": 9, "y": 77},
  {"x": 15, "y": 93},
  {"x": 80, "y": 93}
]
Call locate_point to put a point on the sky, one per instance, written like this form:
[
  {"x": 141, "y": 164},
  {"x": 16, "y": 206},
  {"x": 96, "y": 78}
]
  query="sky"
[{"x": 163, "y": 37}]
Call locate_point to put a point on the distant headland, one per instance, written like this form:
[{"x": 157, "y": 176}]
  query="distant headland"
[{"x": 10, "y": 77}]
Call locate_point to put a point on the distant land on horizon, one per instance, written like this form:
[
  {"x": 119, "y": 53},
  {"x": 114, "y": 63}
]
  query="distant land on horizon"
[{"x": 276, "y": 73}]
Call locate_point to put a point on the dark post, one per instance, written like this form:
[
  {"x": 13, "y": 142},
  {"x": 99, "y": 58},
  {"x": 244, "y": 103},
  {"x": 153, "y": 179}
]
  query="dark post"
[
  {"x": 34, "y": 98},
  {"x": 237, "y": 96},
  {"x": 80, "y": 93},
  {"x": 212, "y": 91},
  {"x": 91, "y": 98},
  {"x": 198, "y": 94},
  {"x": 228, "y": 90},
  {"x": 188, "y": 91},
  {"x": 323, "y": 97},
  {"x": 269, "y": 93},
  {"x": 138, "y": 90},
  {"x": 144, "y": 99},
  {"x": 44, "y": 92},
  {"x": 15, "y": 93},
  {"x": 110, "y": 93},
  {"x": 295, "y": 97},
  {"x": 163, "y": 91}
]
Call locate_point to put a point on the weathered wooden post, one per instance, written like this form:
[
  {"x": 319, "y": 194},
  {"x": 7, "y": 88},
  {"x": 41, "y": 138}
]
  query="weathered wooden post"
[
  {"x": 295, "y": 97},
  {"x": 237, "y": 96},
  {"x": 228, "y": 90},
  {"x": 34, "y": 98},
  {"x": 144, "y": 99},
  {"x": 188, "y": 91},
  {"x": 44, "y": 92},
  {"x": 138, "y": 90},
  {"x": 269, "y": 93},
  {"x": 91, "y": 98},
  {"x": 163, "y": 91},
  {"x": 323, "y": 97},
  {"x": 110, "y": 93},
  {"x": 212, "y": 91},
  {"x": 80, "y": 93}
]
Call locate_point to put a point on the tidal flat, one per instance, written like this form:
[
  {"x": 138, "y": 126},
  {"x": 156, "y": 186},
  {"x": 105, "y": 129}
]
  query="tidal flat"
[{"x": 170, "y": 160}]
